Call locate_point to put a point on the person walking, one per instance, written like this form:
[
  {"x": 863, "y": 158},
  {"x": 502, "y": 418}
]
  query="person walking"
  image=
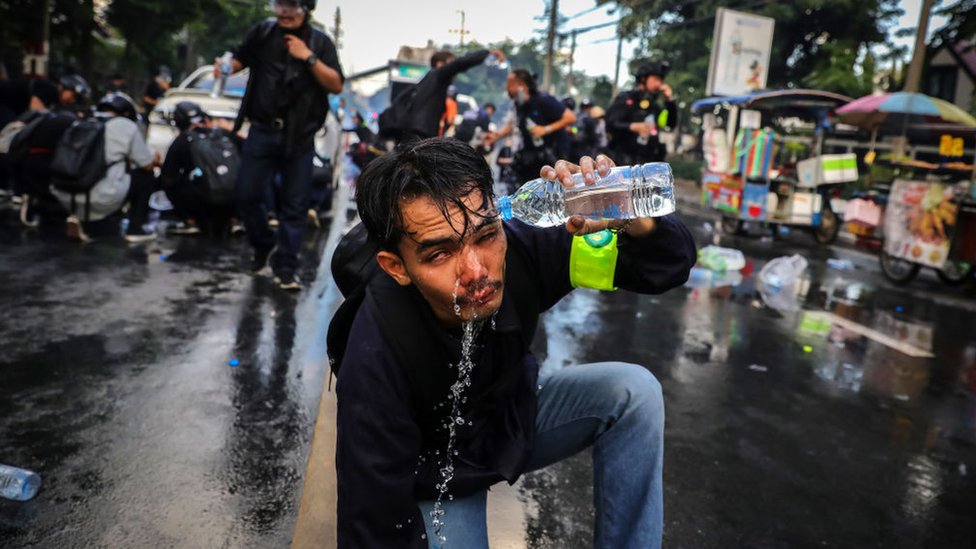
[{"x": 293, "y": 69}]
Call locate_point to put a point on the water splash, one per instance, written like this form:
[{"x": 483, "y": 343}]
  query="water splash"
[{"x": 456, "y": 398}]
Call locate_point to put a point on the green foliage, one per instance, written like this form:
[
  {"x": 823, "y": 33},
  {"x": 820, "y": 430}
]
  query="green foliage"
[
  {"x": 962, "y": 21},
  {"x": 686, "y": 167}
]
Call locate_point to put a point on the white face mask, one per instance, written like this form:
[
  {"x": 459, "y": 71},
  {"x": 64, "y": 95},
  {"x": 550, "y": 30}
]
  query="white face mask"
[{"x": 521, "y": 96}]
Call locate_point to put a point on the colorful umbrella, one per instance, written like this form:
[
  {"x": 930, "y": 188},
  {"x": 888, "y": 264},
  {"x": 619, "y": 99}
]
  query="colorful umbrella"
[{"x": 901, "y": 109}]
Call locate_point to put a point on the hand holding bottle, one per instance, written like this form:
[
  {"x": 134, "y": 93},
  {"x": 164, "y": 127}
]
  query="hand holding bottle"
[{"x": 589, "y": 168}]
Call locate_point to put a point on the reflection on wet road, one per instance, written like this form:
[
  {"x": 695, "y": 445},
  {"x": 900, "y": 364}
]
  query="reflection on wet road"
[{"x": 157, "y": 392}]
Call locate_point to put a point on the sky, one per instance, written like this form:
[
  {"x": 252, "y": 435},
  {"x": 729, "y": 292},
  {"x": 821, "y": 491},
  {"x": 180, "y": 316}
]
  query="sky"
[{"x": 373, "y": 31}]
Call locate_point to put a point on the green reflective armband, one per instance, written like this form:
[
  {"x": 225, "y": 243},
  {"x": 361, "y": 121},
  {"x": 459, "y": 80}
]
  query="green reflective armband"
[
  {"x": 662, "y": 119},
  {"x": 593, "y": 261}
]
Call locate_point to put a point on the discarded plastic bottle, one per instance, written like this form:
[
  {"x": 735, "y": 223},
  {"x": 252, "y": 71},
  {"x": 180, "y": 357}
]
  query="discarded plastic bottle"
[
  {"x": 18, "y": 484},
  {"x": 720, "y": 259},
  {"x": 627, "y": 192}
]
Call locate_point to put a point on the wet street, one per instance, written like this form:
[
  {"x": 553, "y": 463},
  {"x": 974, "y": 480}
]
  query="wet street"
[{"x": 167, "y": 399}]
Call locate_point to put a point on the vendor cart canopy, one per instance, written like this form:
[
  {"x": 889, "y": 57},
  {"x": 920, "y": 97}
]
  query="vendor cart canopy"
[{"x": 788, "y": 101}]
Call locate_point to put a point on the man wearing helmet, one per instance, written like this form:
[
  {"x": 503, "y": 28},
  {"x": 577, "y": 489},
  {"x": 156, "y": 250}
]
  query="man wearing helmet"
[
  {"x": 73, "y": 90},
  {"x": 293, "y": 67},
  {"x": 184, "y": 181},
  {"x": 637, "y": 117}
]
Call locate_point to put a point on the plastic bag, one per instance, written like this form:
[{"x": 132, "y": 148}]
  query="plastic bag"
[
  {"x": 716, "y": 258},
  {"x": 778, "y": 281}
]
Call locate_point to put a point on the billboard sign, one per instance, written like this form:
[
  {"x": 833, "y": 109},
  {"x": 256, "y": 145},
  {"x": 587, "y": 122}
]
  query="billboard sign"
[{"x": 741, "y": 46}]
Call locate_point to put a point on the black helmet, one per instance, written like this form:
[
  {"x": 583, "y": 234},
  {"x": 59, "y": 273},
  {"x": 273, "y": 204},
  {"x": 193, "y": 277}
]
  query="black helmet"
[
  {"x": 660, "y": 68},
  {"x": 187, "y": 113},
  {"x": 118, "y": 103},
  {"x": 76, "y": 84},
  {"x": 569, "y": 102},
  {"x": 586, "y": 103},
  {"x": 307, "y": 5}
]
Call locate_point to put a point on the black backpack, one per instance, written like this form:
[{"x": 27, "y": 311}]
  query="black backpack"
[
  {"x": 396, "y": 118},
  {"x": 20, "y": 145},
  {"x": 361, "y": 280},
  {"x": 79, "y": 161},
  {"x": 216, "y": 154}
]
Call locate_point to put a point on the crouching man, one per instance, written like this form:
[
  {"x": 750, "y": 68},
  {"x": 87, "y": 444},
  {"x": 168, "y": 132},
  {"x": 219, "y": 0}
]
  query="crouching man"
[{"x": 456, "y": 280}]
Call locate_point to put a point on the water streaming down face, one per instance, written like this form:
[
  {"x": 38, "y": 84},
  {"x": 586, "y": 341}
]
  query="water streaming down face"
[{"x": 456, "y": 397}]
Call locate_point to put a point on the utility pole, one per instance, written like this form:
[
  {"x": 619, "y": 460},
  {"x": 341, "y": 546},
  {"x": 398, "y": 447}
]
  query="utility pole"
[
  {"x": 462, "y": 32},
  {"x": 918, "y": 56},
  {"x": 616, "y": 70},
  {"x": 572, "y": 55},
  {"x": 550, "y": 43},
  {"x": 337, "y": 28}
]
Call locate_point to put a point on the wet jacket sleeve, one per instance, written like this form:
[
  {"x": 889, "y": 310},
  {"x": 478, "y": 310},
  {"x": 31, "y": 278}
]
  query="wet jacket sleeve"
[
  {"x": 377, "y": 449},
  {"x": 658, "y": 262},
  {"x": 463, "y": 63},
  {"x": 328, "y": 54}
]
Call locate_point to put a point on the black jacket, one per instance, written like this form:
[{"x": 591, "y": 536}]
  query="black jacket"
[
  {"x": 634, "y": 106},
  {"x": 281, "y": 86},
  {"x": 387, "y": 438},
  {"x": 431, "y": 94}
]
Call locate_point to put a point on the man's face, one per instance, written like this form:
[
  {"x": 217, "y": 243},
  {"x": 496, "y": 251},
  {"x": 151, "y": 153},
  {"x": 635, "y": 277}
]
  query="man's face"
[
  {"x": 513, "y": 85},
  {"x": 490, "y": 111},
  {"x": 460, "y": 277},
  {"x": 289, "y": 16},
  {"x": 653, "y": 83},
  {"x": 67, "y": 97}
]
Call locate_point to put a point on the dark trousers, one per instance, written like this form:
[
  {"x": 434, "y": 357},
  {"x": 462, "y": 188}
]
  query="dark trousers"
[
  {"x": 192, "y": 201},
  {"x": 263, "y": 157}
]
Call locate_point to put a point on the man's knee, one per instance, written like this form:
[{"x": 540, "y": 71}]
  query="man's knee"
[{"x": 637, "y": 388}]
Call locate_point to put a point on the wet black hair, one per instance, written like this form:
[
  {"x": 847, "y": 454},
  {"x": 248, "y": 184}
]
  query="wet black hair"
[
  {"x": 443, "y": 55},
  {"x": 443, "y": 170},
  {"x": 491, "y": 105},
  {"x": 527, "y": 78}
]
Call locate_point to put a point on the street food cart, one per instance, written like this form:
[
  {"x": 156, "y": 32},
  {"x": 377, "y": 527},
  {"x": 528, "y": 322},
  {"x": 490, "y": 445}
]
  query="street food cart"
[
  {"x": 930, "y": 216},
  {"x": 765, "y": 162}
]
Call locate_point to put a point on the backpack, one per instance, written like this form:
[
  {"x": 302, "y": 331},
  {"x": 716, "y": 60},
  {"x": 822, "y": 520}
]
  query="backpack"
[
  {"x": 15, "y": 136},
  {"x": 396, "y": 118},
  {"x": 79, "y": 161},
  {"x": 216, "y": 154},
  {"x": 361, "y": 280}
]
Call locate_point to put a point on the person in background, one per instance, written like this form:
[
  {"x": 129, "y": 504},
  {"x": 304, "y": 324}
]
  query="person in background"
[
  {"x": 117, "y": 84},
  {"x": 294, "y": 67},
  {"x": 430, "y": 95},
  {"x": 636, "y": 117},
  {"x": 73, "y": 93},
  {"x": 475, "y": 126},
  {"x": 157, "y": 87},
  {"x": 542, "y": 120},
  {"x": 129, "y": 179},
  {"x": 586, "y": 131},
  {"x": 450, "y": 111}
]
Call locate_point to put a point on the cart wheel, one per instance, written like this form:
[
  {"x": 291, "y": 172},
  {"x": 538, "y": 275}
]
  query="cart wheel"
[
  {"x": 731, "y": 225},
  {"x": 829, "y": 226},
  {"x": 955, "y": 273},
  {"x": 896, "y": 269}
]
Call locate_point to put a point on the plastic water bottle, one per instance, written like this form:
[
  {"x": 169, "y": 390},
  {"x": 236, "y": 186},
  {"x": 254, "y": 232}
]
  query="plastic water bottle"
[
  {"x": 18, "y": 484},
  {"x": 645, "y": 139},
  {"x": 529, "y": 124},
  {"x": 225, "y": 69},
  {"x": 492, "y": 61},
  {"x": 627, "y": 192}
]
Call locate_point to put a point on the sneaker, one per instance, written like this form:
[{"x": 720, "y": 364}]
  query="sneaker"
[
  {"x": 75, "y": 231},
  {"x": 27, "y": 217},
  {"x": 288, "y": 282},
  {"x": 273, "y": 222},
  {"x": 138, "y": 236},
  {"x": 313, "y": 218},
  {"x": 236, "y": 228},
  {"x": 262, "y": 256},
  {"x": 188, "y": 228}
]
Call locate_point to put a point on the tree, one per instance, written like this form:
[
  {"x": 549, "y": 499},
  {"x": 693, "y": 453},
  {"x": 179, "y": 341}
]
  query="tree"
[{"x": 961, "y": 25}]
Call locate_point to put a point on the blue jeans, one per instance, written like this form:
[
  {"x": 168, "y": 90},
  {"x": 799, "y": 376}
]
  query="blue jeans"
[
  {"x": 617, "y": 409},
  {"x": 262, "y": 158}
]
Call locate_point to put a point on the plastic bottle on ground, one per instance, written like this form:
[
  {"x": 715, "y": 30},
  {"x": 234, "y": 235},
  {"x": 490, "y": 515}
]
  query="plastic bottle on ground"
[
  {"x": 718, "y": 258},
  {"x": 18, "y": 484},
  {"x": 627, "y": 192}
]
